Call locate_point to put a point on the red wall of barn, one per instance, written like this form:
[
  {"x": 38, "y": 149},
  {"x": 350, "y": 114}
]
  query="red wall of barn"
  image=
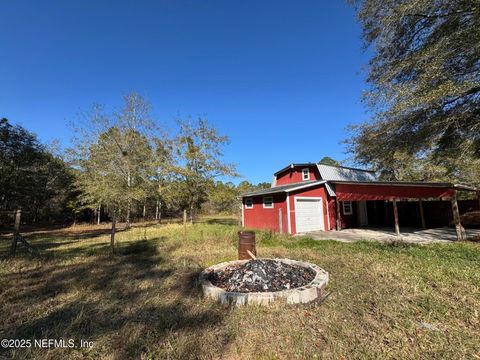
[
  {"x": 268, "y": 219},
  {"x": 260, "y": 218},
  {"x": 295, "y": 175},
  {"x": 311, "y": 192},
  {"x": 332, "y": 212},
  {"x": 348, "y": 192}
]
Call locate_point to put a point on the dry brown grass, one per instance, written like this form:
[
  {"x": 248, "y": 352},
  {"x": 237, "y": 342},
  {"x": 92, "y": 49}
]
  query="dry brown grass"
[{"x": 144, "y": 302}]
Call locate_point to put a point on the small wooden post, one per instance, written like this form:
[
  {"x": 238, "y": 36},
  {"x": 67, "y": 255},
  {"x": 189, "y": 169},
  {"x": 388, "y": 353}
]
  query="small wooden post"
[
  {"x": 112, "y": 237},
  {"x": 185, "y": 225},
  {"x": 339, "y": 219},
  {"x": 456, "y": 217},
  {"x": 16, "y": 232},
  {"x": 395, "y": 215},
  {"x": 280, "y": 221},
  {"x": 240, "y": 216},
  {"x": 422, "y": 214}
]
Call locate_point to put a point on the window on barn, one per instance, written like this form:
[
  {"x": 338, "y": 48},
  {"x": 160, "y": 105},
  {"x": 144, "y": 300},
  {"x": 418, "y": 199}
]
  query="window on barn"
[
  {"x": 268, "y": 202},
  {"x": 347, "y": 208},
  {"x": 306, "y": 174},
  {"x": 248, "y": 203}
]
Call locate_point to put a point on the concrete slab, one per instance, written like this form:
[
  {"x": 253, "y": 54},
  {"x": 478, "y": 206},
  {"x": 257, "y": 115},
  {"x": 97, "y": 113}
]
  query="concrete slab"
[{"x": 411, "y": 235}]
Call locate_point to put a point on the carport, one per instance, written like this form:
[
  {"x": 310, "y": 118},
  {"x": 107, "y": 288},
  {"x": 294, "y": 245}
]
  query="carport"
[{"x": 360, "y": 204}]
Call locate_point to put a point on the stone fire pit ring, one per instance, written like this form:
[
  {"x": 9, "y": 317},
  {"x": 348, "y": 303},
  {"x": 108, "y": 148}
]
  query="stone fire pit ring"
[{"x": 303, "y": 294}]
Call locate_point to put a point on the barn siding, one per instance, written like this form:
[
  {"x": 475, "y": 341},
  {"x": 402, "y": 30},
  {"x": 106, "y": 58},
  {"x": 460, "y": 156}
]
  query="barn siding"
[
  {"x": 348, "y": 192},
  {"x": 294, "y": 175},
  {"x": 260, "y": 218}
]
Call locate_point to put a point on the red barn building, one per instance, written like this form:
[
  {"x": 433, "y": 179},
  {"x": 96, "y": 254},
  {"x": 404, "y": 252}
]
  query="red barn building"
[{"x": 310, "y": 197}]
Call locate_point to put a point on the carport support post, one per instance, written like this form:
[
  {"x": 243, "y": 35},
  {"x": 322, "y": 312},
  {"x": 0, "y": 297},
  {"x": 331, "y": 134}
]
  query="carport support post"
[
  {"x": 395, "y": 215},
  {"x": 456, "y": 216},
  {"x": 422, "y": 214},
  {"x": 339, "y": 220}
]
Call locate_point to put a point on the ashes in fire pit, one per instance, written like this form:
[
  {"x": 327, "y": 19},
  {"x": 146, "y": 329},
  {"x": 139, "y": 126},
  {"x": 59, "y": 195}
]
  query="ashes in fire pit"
[{"x": 261, "y": 276}]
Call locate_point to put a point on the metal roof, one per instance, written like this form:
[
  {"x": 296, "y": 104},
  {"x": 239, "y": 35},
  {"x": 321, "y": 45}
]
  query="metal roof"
[
  {"x": 285, "y": 188},
  {"x": 343, "y": 173},
  {"x": 330, "y": 189},
  {"x": 409, "y": 183}
]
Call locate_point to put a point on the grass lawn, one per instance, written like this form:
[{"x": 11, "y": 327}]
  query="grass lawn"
[{"x": 387, "y": 300}]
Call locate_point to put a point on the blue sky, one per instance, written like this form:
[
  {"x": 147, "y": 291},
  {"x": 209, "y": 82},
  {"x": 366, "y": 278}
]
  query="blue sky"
[{"x": 281, "y": 78}]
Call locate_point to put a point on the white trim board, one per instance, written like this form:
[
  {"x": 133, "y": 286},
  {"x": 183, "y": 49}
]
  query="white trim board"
[{"x": 289, "y": 225}]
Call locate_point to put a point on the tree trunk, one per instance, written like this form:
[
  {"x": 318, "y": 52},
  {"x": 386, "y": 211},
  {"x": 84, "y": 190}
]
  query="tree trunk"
[
  {"x": 156, "y": 210},
  {"x": 159, "y": 220},
  {"x": 144, "y": 212},
  {"x": 99, "y": 213},
  {"x": 112, "y": 237}
]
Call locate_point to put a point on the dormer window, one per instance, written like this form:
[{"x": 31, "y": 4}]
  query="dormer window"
[{"x": 305, "y": 174}]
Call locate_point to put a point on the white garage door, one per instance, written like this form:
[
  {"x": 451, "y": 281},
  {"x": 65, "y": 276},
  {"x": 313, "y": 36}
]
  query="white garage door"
[{"x": 309, "y": 214}]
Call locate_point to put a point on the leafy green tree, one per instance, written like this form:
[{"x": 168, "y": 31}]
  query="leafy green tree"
[
  {"x": 115, "y": 157},
  {"x": 424, "y": 82},
  {"x": 327, "y": 160},
  {"x": 224, "y": 197},
  {"x": 31, "y": 177},
  {"x": 163, "y": 168},
  {"x": 199, "y": 152}
]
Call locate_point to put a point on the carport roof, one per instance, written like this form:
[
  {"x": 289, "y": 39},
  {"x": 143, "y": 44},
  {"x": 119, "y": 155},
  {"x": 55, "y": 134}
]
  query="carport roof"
[{"x": 409, "y": 183}]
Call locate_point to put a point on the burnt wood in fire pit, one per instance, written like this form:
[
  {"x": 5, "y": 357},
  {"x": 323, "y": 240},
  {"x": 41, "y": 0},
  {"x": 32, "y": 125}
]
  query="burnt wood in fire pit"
[
  {"x": 262, "y": 275},
  {"x": 263, "y": 281}
]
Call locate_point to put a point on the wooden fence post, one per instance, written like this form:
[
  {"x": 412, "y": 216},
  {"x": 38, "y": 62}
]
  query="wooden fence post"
[
  {"x": 395, "y": 215},
  {"x": 184, "y": 225},
  {"x": 16, "y": 231},
  {"x": 112, "y": 236}
]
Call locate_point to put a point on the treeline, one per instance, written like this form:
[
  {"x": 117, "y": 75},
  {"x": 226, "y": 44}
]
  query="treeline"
[
  {"x": 32, "y": 178},
  {"x": 121, "y": 165}
]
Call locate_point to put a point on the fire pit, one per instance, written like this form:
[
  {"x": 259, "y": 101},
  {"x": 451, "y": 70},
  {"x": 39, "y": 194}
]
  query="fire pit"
[{"x": 263, "y": 281}]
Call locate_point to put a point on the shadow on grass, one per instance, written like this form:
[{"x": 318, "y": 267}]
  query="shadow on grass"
[
  {"x": 222, "y": 221},
  {"x": 139, "y": 300}
]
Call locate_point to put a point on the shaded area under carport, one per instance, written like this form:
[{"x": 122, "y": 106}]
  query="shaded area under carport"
[
  {"x": 372, "y": 193},
  {"x": 410, "y": 235}
]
